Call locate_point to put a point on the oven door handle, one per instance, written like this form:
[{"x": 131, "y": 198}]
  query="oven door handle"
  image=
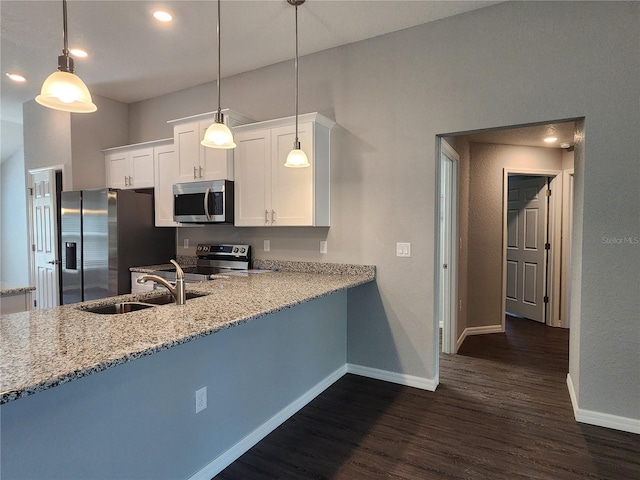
[{"x": 206, "y": 203}]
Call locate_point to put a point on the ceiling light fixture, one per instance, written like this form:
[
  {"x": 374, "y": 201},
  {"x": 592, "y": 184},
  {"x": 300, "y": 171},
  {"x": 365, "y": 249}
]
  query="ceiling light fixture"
[
  {"x": 551, "y": 139},
  {"x": 218, "y": 134},
  {"x": 162, "y": 16},
  {"x": 296, "y": 158},
  {"x": 16, "y": 77},
  {"x": 63, "y": 89}
]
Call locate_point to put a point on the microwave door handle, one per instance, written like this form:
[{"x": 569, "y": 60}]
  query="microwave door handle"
[{"x": 206, "y": 203}]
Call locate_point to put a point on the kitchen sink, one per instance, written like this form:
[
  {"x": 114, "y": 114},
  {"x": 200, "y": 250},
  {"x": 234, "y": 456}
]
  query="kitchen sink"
[
  {"x": 122, "y": 307},
  {"x": 168, "y": 298},
  {"x": 127, "y": 307}
]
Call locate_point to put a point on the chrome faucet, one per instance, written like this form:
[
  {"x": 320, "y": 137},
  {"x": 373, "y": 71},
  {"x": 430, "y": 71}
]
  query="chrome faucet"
[{"x": 177, "y": 291}]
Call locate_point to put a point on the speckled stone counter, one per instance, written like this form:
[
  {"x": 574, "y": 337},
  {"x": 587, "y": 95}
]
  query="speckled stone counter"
[
  {"x": 7, "y": 288},
  {"x": 42, "y": 349}
]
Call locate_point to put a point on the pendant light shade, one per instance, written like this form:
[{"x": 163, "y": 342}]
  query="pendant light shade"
[
  {"x": 218, "y": 135},
  {"x": 296, "y": 158},
  {"x": 63, "y": 89}
]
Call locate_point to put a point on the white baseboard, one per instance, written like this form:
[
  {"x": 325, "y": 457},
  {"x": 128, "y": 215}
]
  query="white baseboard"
[
  {"x": 233, "y": 453},
  {"x": 393, "y": 377},
  {"x": 600, "y": 419},
  {"x": 478, "y": 331}
]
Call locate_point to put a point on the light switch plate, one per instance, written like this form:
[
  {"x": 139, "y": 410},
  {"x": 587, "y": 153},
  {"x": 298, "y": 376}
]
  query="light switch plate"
[
  {"x": 403, "y": 249},
  {"x": 323, "y": 246},
  {"x": 267, "y": 246}
]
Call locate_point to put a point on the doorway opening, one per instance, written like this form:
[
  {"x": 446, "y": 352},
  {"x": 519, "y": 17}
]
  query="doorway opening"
[
  {"x": 479, "y": 226},
  {"x": 45, "y": 185}
]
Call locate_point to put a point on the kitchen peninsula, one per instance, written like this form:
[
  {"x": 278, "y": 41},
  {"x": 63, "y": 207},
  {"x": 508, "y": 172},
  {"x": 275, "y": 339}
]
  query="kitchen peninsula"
[{"x": 263, "y": 345}]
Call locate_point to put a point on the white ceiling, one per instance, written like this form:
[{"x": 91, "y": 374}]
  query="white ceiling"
[{"x": 133, "y": 58}]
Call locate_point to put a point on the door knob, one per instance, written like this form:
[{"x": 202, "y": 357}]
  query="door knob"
[{"x": 54, "y": 262}]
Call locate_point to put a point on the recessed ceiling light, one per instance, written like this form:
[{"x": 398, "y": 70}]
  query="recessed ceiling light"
[
  {"x": 551, "y": 139},
  {"x": 162, "y": 16},
  {"x": 16, "y": 77},
  {"x": 78, "y": 52}
]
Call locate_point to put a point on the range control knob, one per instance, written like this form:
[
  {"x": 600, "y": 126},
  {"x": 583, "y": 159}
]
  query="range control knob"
[
  {"x": 242, "y": 250},
  {"x": 235, "y": 249},
  {"x": 205, "y": 248}
]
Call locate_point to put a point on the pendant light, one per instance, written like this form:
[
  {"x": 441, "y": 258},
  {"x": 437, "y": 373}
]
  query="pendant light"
[
  {"x": 296, "y": 158},
  {"x": 218, "y": 134},
  {"x": 63, "y": 89}
]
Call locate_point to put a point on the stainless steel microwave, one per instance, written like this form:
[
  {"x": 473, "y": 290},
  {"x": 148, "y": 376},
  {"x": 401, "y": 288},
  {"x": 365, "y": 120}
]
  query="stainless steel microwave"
[{"x": 203, "y": 202}]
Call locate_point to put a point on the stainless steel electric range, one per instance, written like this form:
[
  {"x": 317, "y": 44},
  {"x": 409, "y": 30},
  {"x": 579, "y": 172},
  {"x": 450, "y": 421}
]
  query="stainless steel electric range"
[{"x": 212, "y": 260}]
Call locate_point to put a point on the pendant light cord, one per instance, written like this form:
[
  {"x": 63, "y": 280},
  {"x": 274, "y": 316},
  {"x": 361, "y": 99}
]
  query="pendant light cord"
[
  {"x": 65, "y": 50},
  {"x": 219, "y": 107},
  {"x": 297, "y": 142}
]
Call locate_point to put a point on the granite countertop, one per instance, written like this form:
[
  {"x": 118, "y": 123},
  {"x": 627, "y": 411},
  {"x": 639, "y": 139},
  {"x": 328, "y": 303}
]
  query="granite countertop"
[
  {"x": 8, "y": 288},
  {"x": 45, "y": 348}
]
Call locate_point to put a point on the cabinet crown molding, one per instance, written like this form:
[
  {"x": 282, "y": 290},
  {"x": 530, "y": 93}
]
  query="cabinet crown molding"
[
  {"x": 286, "y": 121},
  {"x": 153, "y": 143},
  {"x": 227, "y": 112}
]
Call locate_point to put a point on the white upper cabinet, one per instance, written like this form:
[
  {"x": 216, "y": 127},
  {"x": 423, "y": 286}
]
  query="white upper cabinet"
[
  {"x": 195, "y": 162},
  {"x": 130, "y": 166},
  {"x": 269, "y": 194},
  {"x": 165, "y": 170}
]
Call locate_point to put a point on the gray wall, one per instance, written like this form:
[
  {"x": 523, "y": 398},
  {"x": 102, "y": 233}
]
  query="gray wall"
[
  {"x": 14, "y": 262},
  {"x": 510, "y": 64},
  {"x": 74, "y": 141},
  {"x": 138, "y": 420},
  {"x": 89, "y": 136}
]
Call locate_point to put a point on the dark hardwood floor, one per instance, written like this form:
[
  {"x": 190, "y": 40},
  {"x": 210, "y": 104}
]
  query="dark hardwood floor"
[{"x": 502, "y": 411}]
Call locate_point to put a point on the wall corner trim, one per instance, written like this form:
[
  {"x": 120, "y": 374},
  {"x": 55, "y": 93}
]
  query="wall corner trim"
[
  {"x": 599, "y": 419},
  {"x": 478, "y": 331},
  {"x": 422, "y": 383},
  {"x": 228, "y": 457}
]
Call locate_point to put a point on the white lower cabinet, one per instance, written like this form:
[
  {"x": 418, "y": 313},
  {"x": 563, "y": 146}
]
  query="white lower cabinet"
[
  {"x": 15, "y": 302},
  {"x": 269, "y": 194}
]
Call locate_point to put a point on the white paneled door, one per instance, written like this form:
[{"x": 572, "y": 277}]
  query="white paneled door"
[
  {"x": 44, "y": 250},
  {"x": 526, "y": 253}
]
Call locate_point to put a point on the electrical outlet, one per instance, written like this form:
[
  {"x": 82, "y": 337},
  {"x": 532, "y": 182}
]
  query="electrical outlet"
[
  {"x": 185, "y": 243},
  {"x": 403, "y": 249},
  {"x": 323, "y": 246},
  {"x": 267, "y": 246},
  {"x": 201, "y": 399}
]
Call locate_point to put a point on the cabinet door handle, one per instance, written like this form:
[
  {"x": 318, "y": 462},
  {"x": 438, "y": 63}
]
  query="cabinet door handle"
[
  {"x": 266, "y": 217},
  {"x": 273, "y": 216},
  {"x": 194, "y": 173},
  {"x": 130, "y": 181},
  {"x": 126, "y": 183},
  {"x": 200, "y": 171}
]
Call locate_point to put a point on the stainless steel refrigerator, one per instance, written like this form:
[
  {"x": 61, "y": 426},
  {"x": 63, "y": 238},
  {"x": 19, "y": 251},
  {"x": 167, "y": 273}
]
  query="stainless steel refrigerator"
[{"x": 103, "y": 233}]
